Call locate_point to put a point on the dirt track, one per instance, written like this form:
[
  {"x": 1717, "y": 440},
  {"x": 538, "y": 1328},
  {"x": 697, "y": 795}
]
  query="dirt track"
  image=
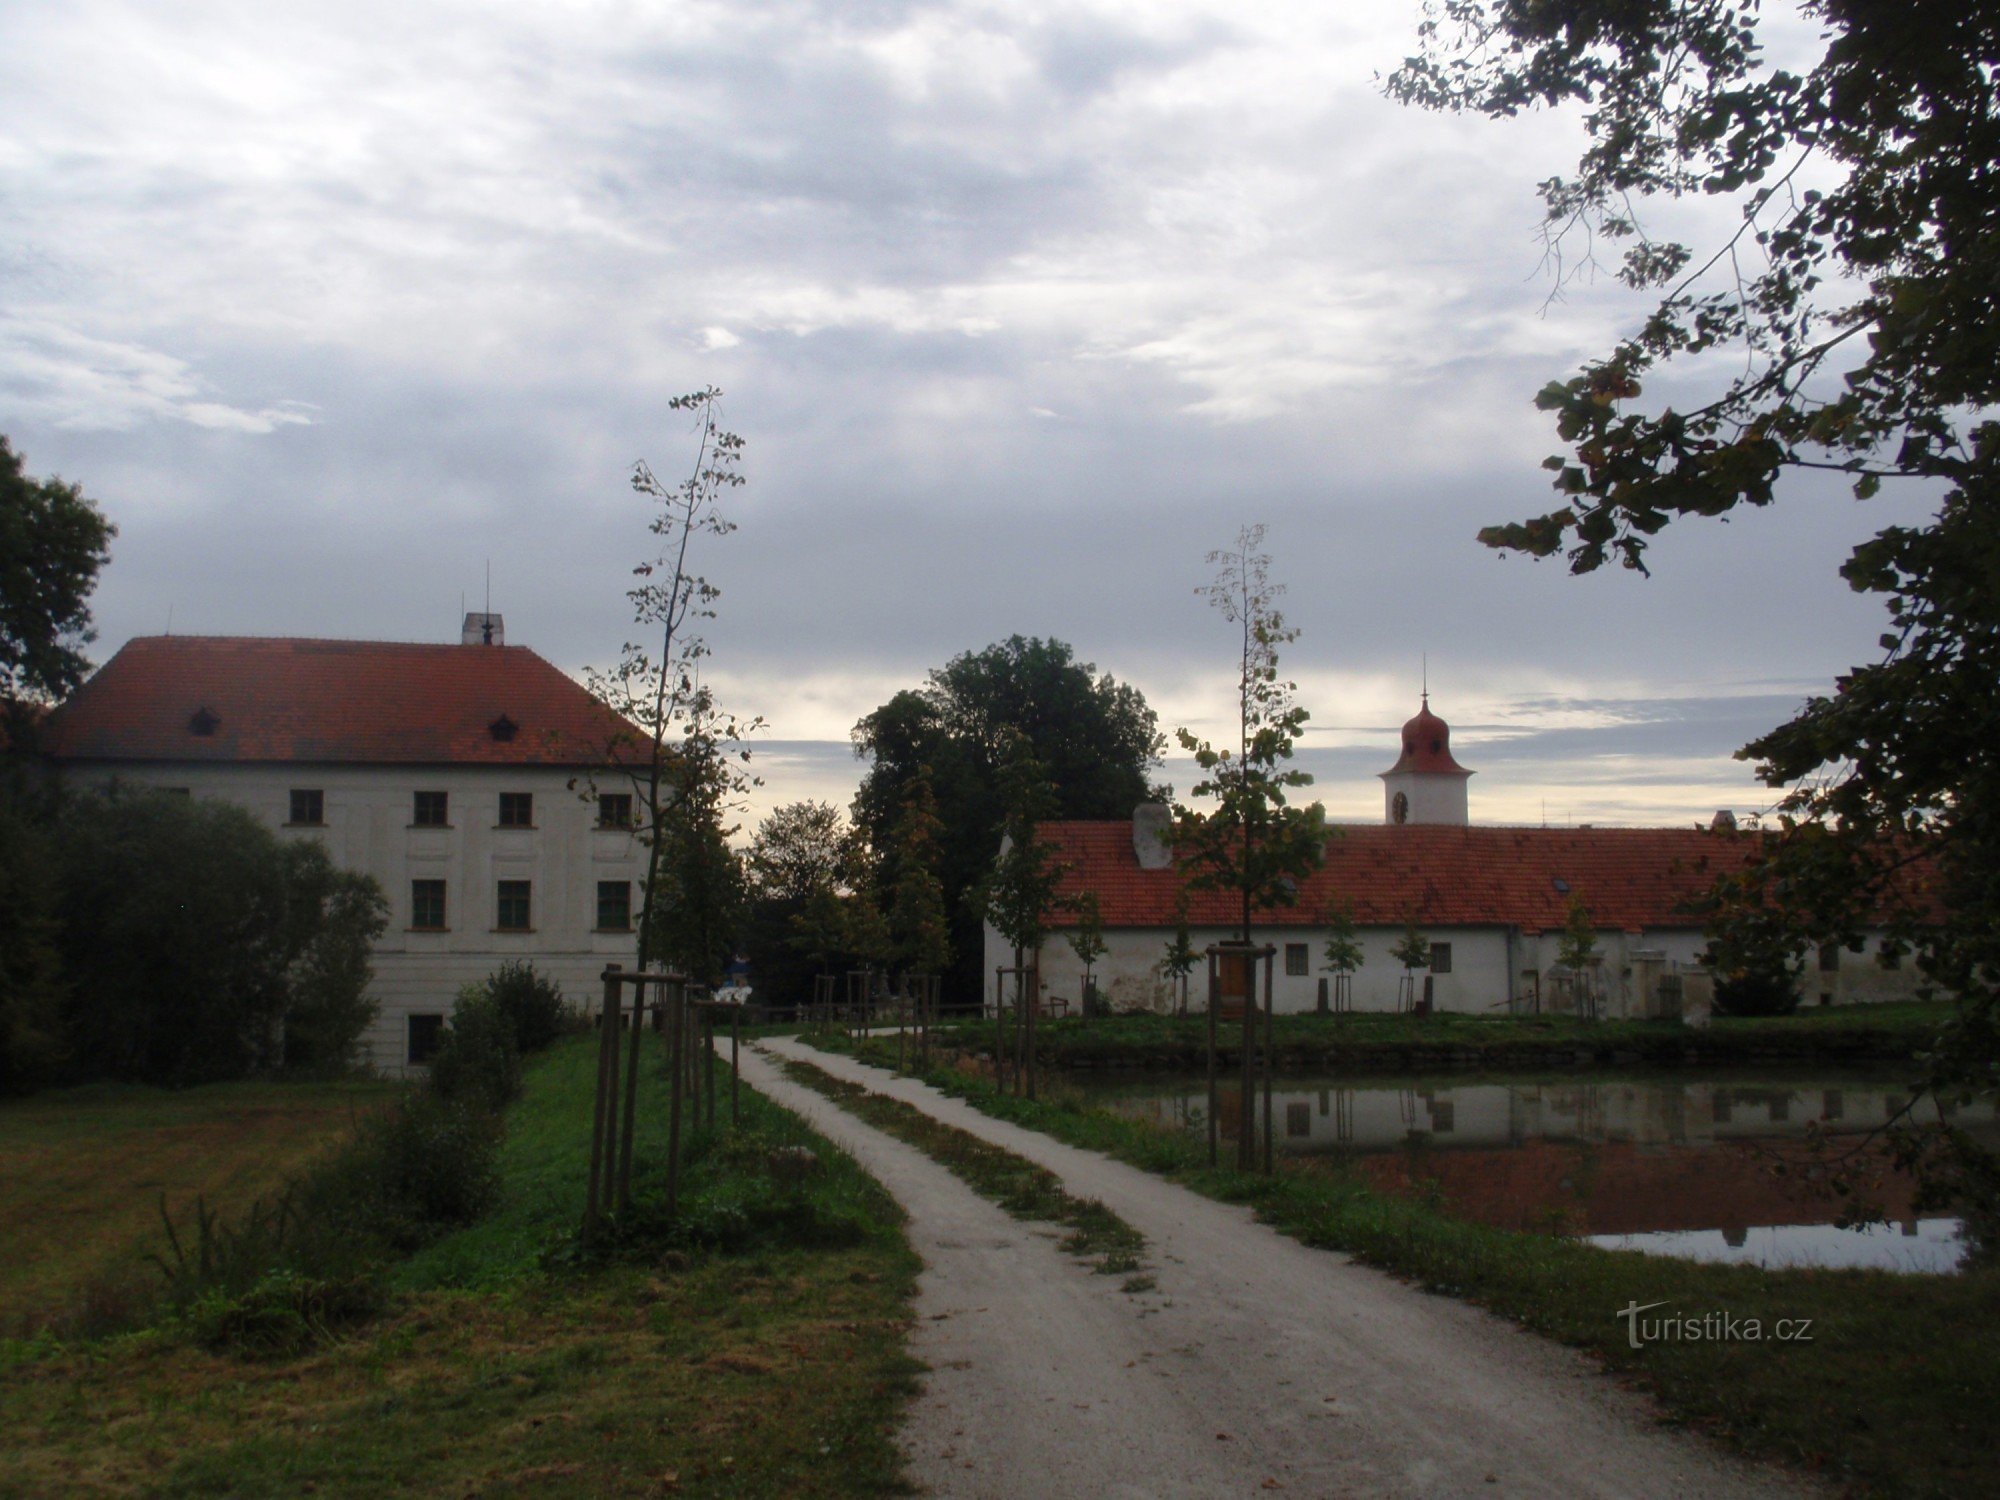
[{"x": 1255, "y": 1366}]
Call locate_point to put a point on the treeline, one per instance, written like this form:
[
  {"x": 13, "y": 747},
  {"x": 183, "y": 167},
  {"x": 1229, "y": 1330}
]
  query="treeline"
[
  {"x": 899, "y": 888},
  {"x": 149, "y": 937}
]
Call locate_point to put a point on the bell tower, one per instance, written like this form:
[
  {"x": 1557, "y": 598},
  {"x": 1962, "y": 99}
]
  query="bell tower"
[{"x": 1426, "y": 785}]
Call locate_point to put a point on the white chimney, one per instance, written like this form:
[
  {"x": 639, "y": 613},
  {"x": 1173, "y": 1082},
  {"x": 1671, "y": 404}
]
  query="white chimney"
[
  {"x": 1725, "y": 821},
  {"x": 483, "y": 630},
  {"x": 1151, "y": 823}
]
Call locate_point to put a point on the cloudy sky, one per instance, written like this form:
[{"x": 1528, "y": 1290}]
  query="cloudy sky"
[{"x": 1021, "y": 308}]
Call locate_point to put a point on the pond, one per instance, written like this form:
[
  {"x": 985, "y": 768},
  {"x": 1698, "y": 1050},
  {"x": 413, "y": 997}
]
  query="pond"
[{"x": 1712, "y": 1166}]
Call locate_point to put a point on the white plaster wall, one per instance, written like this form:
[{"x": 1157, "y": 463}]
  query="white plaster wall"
[
  {"x": 1492, "y": 970},
  {"x": 1435, "y": 797},
  {"x": 368, "y": 811},
  {"x": 1129, "y": 972}
]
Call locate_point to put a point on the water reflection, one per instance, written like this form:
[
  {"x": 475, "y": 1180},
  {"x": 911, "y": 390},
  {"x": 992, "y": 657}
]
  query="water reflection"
[{"x": 1712, "y": 1167}]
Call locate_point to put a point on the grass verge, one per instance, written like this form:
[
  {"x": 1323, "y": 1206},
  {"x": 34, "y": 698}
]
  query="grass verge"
[
  {"x": 756, "y": 1351},
  {"x": 1023, "y": 1189},
  {"x": 1838, "y": 1034},
  {"x": 1893, "y": 1394}
]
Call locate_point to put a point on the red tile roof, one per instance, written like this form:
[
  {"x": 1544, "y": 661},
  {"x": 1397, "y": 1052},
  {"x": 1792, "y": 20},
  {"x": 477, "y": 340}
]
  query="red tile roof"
[
  {"x": 373, "y": 702},
  {"x": 1631, "y": 879}
]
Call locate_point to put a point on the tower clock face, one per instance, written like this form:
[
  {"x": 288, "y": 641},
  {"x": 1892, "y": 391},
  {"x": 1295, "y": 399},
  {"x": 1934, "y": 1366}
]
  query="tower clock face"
[{"x": 1399, "y": 807}]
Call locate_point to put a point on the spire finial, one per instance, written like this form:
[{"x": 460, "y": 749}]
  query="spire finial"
[{"x": 1427, "y": 679}]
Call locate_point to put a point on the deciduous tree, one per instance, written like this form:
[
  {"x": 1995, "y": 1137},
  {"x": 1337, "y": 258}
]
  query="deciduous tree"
[
  {"x": 52, "y": 543},
  {"x": 1095, "y": 737},
  {"x": 1846, "y": 321},
  {"x": 1342, "y": 955},
  {"x": 917, "y": 918},
  {"x": 683, "y": 742},
  {"x": 1254, "y": 843},
  {"x": 1086, "y": 941}
]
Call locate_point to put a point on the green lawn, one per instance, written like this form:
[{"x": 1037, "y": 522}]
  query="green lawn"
[{"x": 506, "y": 1365}]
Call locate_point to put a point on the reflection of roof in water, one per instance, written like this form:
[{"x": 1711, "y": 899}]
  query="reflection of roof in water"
[{"x": 1619, "y": 1188}]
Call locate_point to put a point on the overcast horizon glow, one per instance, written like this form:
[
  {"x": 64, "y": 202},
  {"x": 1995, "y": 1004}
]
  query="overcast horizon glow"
[{"x": 1022, "y": 310}]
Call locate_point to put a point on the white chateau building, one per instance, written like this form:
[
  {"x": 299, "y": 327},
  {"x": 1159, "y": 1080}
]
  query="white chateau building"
[
  {"x": 475, "y": 782},
  {"x": 1492, "y": 901}
]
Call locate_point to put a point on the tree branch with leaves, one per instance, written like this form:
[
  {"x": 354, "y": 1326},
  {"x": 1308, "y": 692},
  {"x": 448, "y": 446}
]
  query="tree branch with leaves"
[
  {"x": 683, "y": 742},
  {"x": 1254, "y": 844}
]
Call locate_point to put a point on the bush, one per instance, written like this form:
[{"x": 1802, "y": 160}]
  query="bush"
[
  {"x": 413, "y": 1174},
  {"x": 533, "y": 1003},
  {"x": 479, "y": 1061},
  {"x": 1765, "y": 991},
  {"x": 283, "y": 1314}
]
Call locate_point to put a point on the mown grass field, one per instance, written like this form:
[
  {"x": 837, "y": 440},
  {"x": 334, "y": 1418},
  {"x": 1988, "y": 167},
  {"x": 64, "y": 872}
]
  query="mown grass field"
[
  {"x": 1897, "y": 1391},
  {"x": 740, "y": 1355},
  {"x": 82, "y": 1173}
]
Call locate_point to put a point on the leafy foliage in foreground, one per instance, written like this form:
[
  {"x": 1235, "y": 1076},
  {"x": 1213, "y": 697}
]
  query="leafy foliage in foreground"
[{"x": 1853, "y": 310}]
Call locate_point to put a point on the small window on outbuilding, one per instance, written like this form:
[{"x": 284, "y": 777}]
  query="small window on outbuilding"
[
  {"x": 308, "y": 807},
  {"x": 426, "y": 1032},
  {"x": 1297, "y": 960},
  {"x": 1440, "y": 958},
  {"x": 1829, "y": 958}
]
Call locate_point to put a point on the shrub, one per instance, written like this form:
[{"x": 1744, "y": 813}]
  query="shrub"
[
  {"x": 415, "y": 1173},
  {"x": 283, "y": 1313},
  {"x": 533, "y": 1003},
  {"x": 1763, "y": 991},
  {"x": 479, "y": 1061}
]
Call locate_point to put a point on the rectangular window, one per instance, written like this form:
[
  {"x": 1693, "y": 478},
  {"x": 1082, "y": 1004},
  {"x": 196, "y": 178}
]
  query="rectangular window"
[
  {"x": 308, "y": 807},
  {"x": 517, "y": 809},
  {"x": 614, "y": 810},
  {"x": 1829, "y": 958},
  {"x": 1298, "y": 1121},
  {"x": 514, "y": 908},
  {"x": 1440, "y": 958},
  {"x": 614, "y": 906},
  {"x": 427, "y": 905},
  {"x": 432, "y": 810},
  {"x": 1296, "y": 959},
  {"x": 425, "y": 1034}
]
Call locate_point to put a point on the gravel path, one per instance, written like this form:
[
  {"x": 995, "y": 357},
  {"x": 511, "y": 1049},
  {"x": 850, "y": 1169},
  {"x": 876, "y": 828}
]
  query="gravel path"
[{"x": 1256, "y": 1365}]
